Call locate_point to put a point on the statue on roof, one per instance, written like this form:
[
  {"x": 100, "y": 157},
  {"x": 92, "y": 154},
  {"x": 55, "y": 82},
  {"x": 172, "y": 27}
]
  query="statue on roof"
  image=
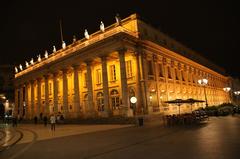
[
  {"x": 16, "y": 69},
  {"x": 26, "y": 63},
  {"x": 20, "y": 66},
  {"x": 31, "y": 62},
  {"x": 39, "y": 58},
  {"x": 102, "y": 26},
  {"x": 54, "y": 49},
  {"x": 86, "y": 34},
  {"x": 118, "y": 19},
  {"x": 63, "y": 45},
  {"x": 46, "y": 54},
  {"x": 74, "y": 39}
]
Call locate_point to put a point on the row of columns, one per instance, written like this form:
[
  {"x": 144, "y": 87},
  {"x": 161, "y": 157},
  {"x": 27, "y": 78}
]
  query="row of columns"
[{"x": 36, "y": 108}]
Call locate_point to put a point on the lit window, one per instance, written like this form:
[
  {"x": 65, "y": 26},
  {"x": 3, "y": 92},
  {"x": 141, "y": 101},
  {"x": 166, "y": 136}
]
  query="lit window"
[
  {"x": 100, "y": 101},
  {"x": 115, "y": 99},
  {"x": 161, "y": 70},
  {"x": 50, "y": 88},
  {"x": 150, "y": 68},
  {"x": 169, "y": 72},
  {"x": 183, "y": 78},
  {"x": 129, "y": 68},
  {"x": 85, "y": 79},
  {"x": 176, "y": 74},
  {"x": 43, "y": 90},
  {"x": 98, "y": 76},
  {"x": 113, "y": 73}
]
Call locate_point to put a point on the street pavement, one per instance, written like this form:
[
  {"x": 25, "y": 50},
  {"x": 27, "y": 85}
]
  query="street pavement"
[{"x": 216, "y": 139}]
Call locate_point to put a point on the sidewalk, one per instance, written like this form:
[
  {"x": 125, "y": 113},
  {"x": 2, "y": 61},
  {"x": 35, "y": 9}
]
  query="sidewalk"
[{"x": 44, "y": 133}]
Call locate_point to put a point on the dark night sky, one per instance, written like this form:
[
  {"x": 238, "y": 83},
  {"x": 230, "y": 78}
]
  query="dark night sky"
[{"x": 209, "y": 27}]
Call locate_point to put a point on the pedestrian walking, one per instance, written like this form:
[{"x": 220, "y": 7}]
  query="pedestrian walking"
[
  {"x": 53, "y": 122},
  {"x": 45, "y": 120}
]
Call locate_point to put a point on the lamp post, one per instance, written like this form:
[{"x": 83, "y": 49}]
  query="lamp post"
[
  {"x": 237, "y": 93},
  {"x": 133, "y": 101},
  {"x": 227, "y": 89},
  {"x": 204, "y": 82}
]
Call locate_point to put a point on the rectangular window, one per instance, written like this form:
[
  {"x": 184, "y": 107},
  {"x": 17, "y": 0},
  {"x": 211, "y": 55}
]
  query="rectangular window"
[
  {"x": 85, "y": 79},
  {"x": 183, "y": 78},
  {"x": 176, "y": 74},
  {"x": 50, "y": 88},
  {"x": 98, "y": 76},
  {"x": 150, "y": 68},
  {"x": 189, "y": 77},
  {"x": 169, "y": 72},
  {"x": 43, "y": 90},
  {"x": 161, "y": 70},
  {"x": 129, "y": 68},
  {"x": 112, "y": 73}
]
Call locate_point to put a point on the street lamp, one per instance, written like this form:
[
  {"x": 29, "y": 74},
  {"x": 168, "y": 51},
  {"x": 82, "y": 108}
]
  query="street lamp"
[
  {"x": 204, "y": 82},
  {"x": 237, "y": 93},
  {"x": 227, "y": 89}
]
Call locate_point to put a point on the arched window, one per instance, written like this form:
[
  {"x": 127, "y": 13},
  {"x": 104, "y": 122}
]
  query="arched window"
[
  {"x": 100, "y": 101},
  {"x": 115, "y": 99}
]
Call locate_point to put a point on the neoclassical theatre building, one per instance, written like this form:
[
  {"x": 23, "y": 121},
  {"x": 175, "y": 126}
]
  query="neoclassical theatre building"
[{"x": 97, "y": 75}]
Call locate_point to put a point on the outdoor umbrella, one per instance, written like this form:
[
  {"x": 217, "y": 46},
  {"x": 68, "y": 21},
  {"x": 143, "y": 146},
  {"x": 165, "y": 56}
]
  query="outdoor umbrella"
[
  {"x": 178, "y": 102},
  {"x": 191, "y": 101}
]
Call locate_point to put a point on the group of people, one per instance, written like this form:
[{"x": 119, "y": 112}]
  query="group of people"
[{"x": 52, "y": 119}]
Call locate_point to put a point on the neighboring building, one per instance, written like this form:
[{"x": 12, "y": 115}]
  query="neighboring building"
[
  {"x": 97, "y": 75},
  {"x": 234, "y": 84},
  {"x": 6, "y": 90}
]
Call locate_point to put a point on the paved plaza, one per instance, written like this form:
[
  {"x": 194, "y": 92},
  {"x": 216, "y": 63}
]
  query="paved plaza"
[{"x": 216, "y": 139}]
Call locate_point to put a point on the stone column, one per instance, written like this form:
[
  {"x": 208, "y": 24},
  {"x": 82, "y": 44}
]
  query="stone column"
[
  {"x": 91, "y": 109},
  {"x": 46, "y": 109},
  {"x": 76, "y": 99},
  {"x": 141, "y": 101},
  {"x": 21, "y": 101},
  {"x": 65, "y": 92},
  {"x": 26, "y": 102},
  {"x": 38, "y": 96},
  {"x": 124, "y": 86},
  {"x": 16, "y": 102},
  {"x": 105, "y": 85},
  {"x": 144, "y": 77},
  {"x": 32, "y": 99},
  {"x": 55, "y": 93},
  {"x": 155, "y": 60}
]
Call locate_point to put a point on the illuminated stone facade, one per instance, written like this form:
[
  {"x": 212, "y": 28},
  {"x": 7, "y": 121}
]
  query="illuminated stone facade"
[{"x": 96, "y": 77}]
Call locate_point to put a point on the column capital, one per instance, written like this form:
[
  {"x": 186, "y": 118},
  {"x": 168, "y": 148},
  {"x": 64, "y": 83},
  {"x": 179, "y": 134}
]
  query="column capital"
[
  {"x": 76, "y": 66},
  {"x": 26, "y": 83},
  {"x": 88, "y": 62},
  {"x": 32, "y": 81},
  {"x": 46, "y": 76},
  {"x": 64, "y": 70},
  {"x": 103, "y": 57},
  {"x": 122, "y": 50},
  {"x": 39, "y": 79}
]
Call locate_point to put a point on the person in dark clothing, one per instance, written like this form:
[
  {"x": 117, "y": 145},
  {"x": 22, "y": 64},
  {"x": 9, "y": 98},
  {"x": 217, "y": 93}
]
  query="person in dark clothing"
[
  {"x": 35, "y": 120},
  {"x": 45, "y": 120},
  {"x": 14, "y": 121}
]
